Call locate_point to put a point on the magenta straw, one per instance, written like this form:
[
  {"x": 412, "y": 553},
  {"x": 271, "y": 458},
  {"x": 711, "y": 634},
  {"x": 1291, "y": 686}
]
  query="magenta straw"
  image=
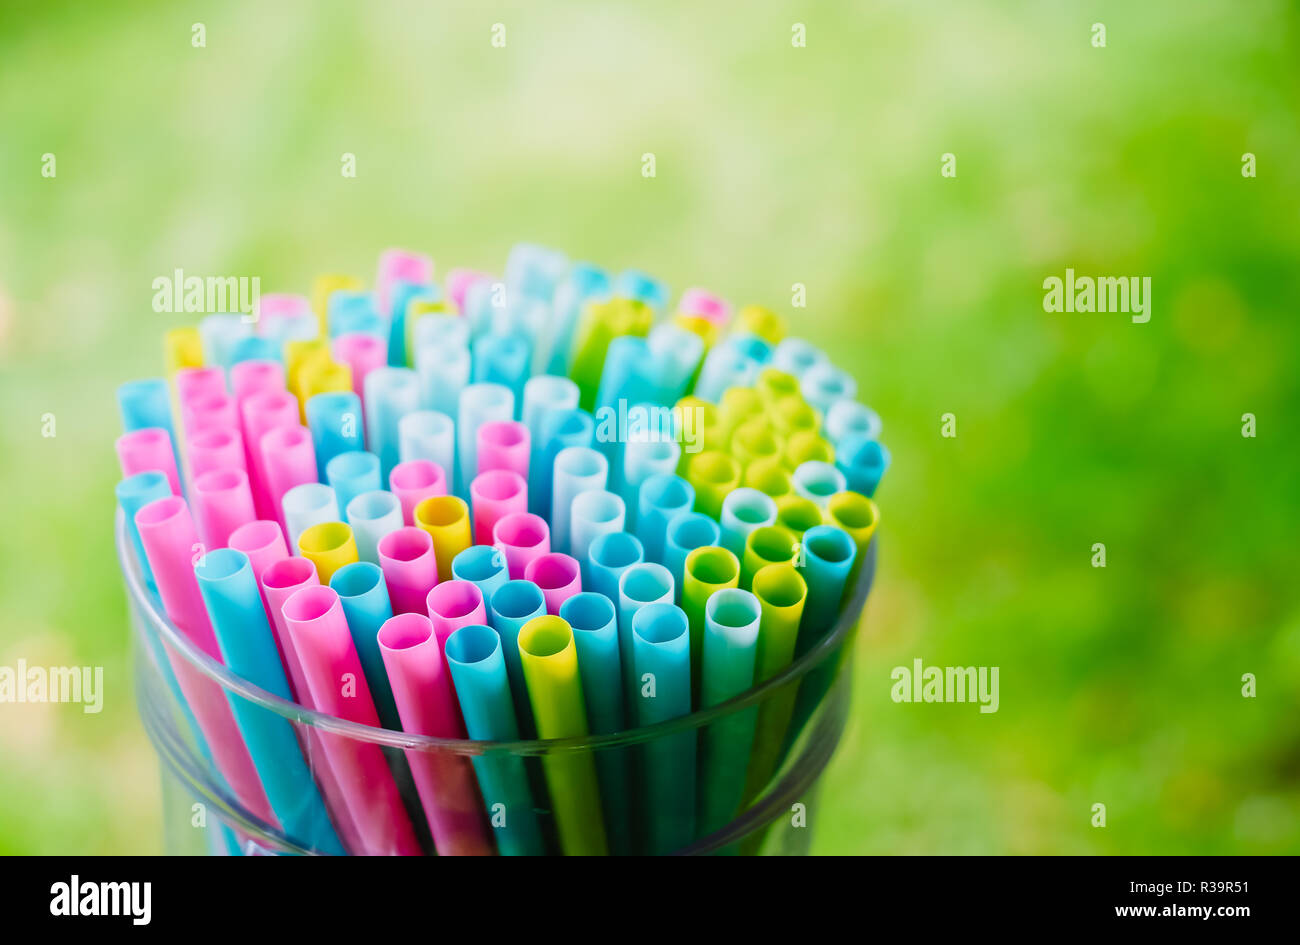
[
  {"x": 222, "y": 502},
  {"x": 148, "y": 449},
  {"x": 259, "y": 415},
  {"x": 521, "y": 537},
  {"x": 248, "y": 378},
  {"x": 559, "y": 577},
  {"x": 274, "y": 307},
  {"x": 216, "y": 449},
  {"x": 400, "y": 265},
  {"x": 458, "y": 283},
  {"x": 288, "y": 459},
  {"x": 263, "y": 542},
  {"x": 410, "y": 569},
  {"x": 362, "y": 352},
  {"x": 169, "y": 537},
  {"x": 494, "y": 495},
  {"x": 422, "y": 689},
  {"x": 504, "y": 444},
  {"x": 452, "y": 605},
  {"x": 314, "y": 617},
  {"x": 704, "y": 304},
  {"x": 209, "y": 412},
  {"x": 199, "y": 382},
  {"x": 414, "y": 481}
]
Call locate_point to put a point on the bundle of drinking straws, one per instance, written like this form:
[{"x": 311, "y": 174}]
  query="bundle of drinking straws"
[{"x": 535, "y": 507}]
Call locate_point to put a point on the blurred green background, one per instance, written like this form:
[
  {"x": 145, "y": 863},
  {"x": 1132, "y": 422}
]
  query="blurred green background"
[{"x": 775, "y": 165}]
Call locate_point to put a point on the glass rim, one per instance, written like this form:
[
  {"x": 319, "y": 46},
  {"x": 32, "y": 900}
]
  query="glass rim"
[{"x": 179, "y": 643}]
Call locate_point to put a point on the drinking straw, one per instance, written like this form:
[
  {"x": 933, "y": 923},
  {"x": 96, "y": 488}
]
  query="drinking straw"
[
  {"x": 446, "y": 519},
  {"x": 494, "y": 495},
  {"x": 323, "y": 288},
  {"x": 260, "y": 413},
  {"x": 621, "y": 376},
  {"x": 770, "y": 477},
  {"x": 593, "y": 513},
  {"x": 754, "y": 440},
  {"x": 362, "y": 353},
  {"x": 134, "y": 493},
  {"x": 182, "y": 348},
  {"x": 761, "y": 322},
  {"x": 818, "y": 481},
  {"x": 792, "y": 415},
  {"x": 329, "y": 546},
  {"x": 708, "y": 570},
  {"x": 697, "y": 425},
  {"x": 863, "y": 462},
  {"x": 373, "y": 515},
  {"x": 560, "y": 430},
  {"x": 252, "y": 348},
  {"x": 475, "y": 656},
  {"x": 262, "y": 542},
  {"x": 399, "y": 265},
  {"x": 428, "y": 434},
  {"x": 550, "y": 664},
  {"x": 298, "y": 353},
  {"x": 858, "y": 516},
  {"x": 336, "y": 426},
  {"x": 600, "y": 323},
  {"x": 408, "y": 301},
  {"x": 169, "y": 536},
  {"x": 229, "y": 592},
  {"x": 675, "y": 354},
  {"x": 288, "y": 459},
  {"x": 216, "y": 449},
  {"x": 828, "y": 553},
  {"x": 218, "y": 335},
  {"x": 766, "y": 545},
  {"x": 773, "y": 384},
  {"x": 713, "y": 474},
  {"x": 353, "y": 311},
  {"x": 583, "y": 283},
  {"x": 807, "y": 446},
  {"x": 413, "y": 481},
  {"x": 608, "y": 557},
  {"x": 731, "y": 628},
  {"x": 437, "y": 327},
  {"x": 737, "y": 406},
  {"x": 706, "y": 330},
  {"x": 444, "y": 372},
  {"x": 321, "y": 375},
  {"x": 513, "y": 605},
  {"x": 280, "y": 580},
  {"x": 849, "y": 416},
  {"x": 662, "y": 669},
  {"x": 639, "y": 585},
  {"x": 208, "y": 412},
  {"x": 823, "y": 384},
  {"x": 364, "y": 597},
  {"x": 521, "y": 537},
  {"x": 410, "y": 568},
  {"x": 686, "y": 532},
  {"x": 306, "y": 505},
  {"x": 744, "y": 510},
  {"x": 501, "y": 359},
  {"x": 479, "y": 404},
  {"x": 724, "y": 367},
  {"x": 645, "y": 288},
  {"x": 275, "y": 307},
  {"x": 749, "y": 344},
  {"x": 337, "y": 680},
  {"x": 504, "y": 444},
  {"x": 545, "y": 395},
  {"x": 352, "y": 473},
  {"x": 390, "y": 393},
  {"x": 796, "y": 514},
  {"x": 594, "y": 622},
  {"x": 222, "y": 502},
  {"x": 256, "y": 376},
  {"x": 660, "y": 499},
  {"x": 194, "y": 382},
  {"x": 577, "y": 469},
  {"x": 641, "y": 460},
  {"x": 483, "y": 566},
  {"x": 146, "y": 449},
  {"x": 535, "y": 270},
  {"x": 145, "y": 403},
  {"x": 458, "y": 283},
  {"x": 796, "y": 356},
  {"x": 559, "y": 577},
  {"x": 481, "y": 298},
  {"x": 299, "y": 327},
  {"x": 706, "y": 305},
  {"x": 781, "y": 593}
]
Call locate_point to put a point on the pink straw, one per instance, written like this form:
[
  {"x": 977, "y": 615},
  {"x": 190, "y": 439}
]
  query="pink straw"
[
  {"x": 504, "y": 444},
  {"x": 704, "y": 304},
  {"x": 494, "y": 495},
  {"x": 222, "y": 503},
  {"x": 414, "y": 481},
  {"x": 209, "y": 412},
  {"x": 288, "y": 460},
  {"x": 458, "y": 283},
  {"x": 362, "y": 352},
  {"x": 147, "y": 449},
  {"x": 255, "y": 377},
  {"x": 410, "y": 568},
  {"x": 260, "y": 414},
  {"x": 452, "y": 605},
  {"x": 426, "y": 704},
  {"x": 521, "y": 537},
  {"x": 338, "y": 686},
  {"x": 169, "y": 537},
  {"x": 400, "y": 265},
  {"x": 216, "y": 449},
  {"x": 199, "y": 382},
  {"x": 558, "y": 576},
  {"x": 275, "y": 306},
  {"x": 264, "y": 543}
]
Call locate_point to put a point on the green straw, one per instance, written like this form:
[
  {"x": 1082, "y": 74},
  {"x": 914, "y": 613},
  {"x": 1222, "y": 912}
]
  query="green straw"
[
  {"x": 766, "y": 545},
  {"x": 601, "y": 323},
  {"x": 708, "y": 570},
  {"x": 713, "y": 474}
]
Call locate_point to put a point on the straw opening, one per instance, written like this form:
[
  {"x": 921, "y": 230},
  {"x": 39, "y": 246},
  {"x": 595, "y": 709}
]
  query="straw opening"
[
  {"x": 615, "y": 550},
  {"x": 667, "y": 492},
  {"x": 660, "y": 623},
  {"x": 472, "y": 643},
  {"x": 733, "y": 608},
  {"x": 454, "y": 599},
  {"x": 440, "y": 511},
  {"x": 853, "y": 510},
  {"x": 597, "y": 507},
  {"x": 356, "y": 579},
  {"x": 829, "y": 544},
  {"x": 406, "y": 544},
  {"x": 554, "y": 571},
  {"x": 477, "y": 563},
  {"x": 498, "y": 485},
  {"x": 588, "y": 611},
  {"x": 545, "y": 636},
  {"x": 351, "y": 464},
  {"x": 372, "y": 505},
  {"x": 287, "y": 572},
  {"x": 219, "y": 480},
  {"x": 692, "y": 531},
  {"x": 779, "y": 585},
  {"x": 254, "y": 536},
  {"x": 160, "y": 510},
  {"x": 220, "y": 564},
  {"x": 327, "y": 536},
  {"x": 310, "y": 603},
  {"x": 405, "y": 631},
  {"x": 646, "y": 583},
  {"x": 515, "y": 600},
  {"x": 414, "y": 474},
  {"x": 771, "y": 543},
  {"x": 712, "y": 565},
  {"x": 521, "y": 530}
]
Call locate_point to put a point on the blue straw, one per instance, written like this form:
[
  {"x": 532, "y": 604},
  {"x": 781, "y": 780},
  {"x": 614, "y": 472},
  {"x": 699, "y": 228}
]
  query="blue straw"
[
  {"x": 218, "y": 335},
  {"x": 504, "y": 360},
  {"x": 239, "y": 621},
  {"x": 351, "y": 311},
  {"x": 479, "y": 404},
  {"x": 483, "y": 566},
  {"x": 336, "y": 426},
  {"x": 366, "y": 605},
  {"x": 634, "y": 284},
  {"x": 302, "y": 326},
  {"x": 428, "y": 434},
  {"x": 133, "y": 494},
  {"x": 639, "y": 586},
  {"x": 593, "y": 513},
  {"x": 147, "y": 403},
  {"x": 373, "y": 515},
  {"x": 400, "y": 296},
  {"x": 559, "y": 431},
  {"x": 686, "y": 532},
  {"x": 643, "y": 459},
  {"x": 849, "y": 416},
  {"x": 390, "y": 394},
  {"x": 535, "y": 270},
  {"x": 584, "y": 283},
  {"x": 475, "y": 656},
  {"x": 796, "y": 356},
  {"x": 724, "y": 367},
  {"x": 577, "y": 469},
  {"x": 441, "y": 330},
  {"x": 513, "y": 604},
  {"x": 607, "y": 558},
  {"x": 675, "y": 353},
  {"x": 744, "y": 510},
  {"x": 863, "y": 462},
  {"x": 545, "y": 397},
  {"x": 444, "y": 372},
  {"x": 824, "y": 385},
  {"x": 660, "y": 499},
  {"x": 349, "y": 475},
  {"x": 828, "y": 555},
  {"x": 255, "y": 348}
]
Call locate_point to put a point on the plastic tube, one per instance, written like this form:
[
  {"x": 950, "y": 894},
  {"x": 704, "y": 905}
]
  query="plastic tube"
[
  {"x": 796, "y": 356},
  {"x": 557, "y": 575},
  {"x": 731, "y": 627},
  {"x": 550, "y": 663},
  {"x": 583, "y": 283},
  {"x": 827, "y": 561},
  {"x": 708, "y": 570},
  {"x": 724, "y": 367},
  {"x": 577, "y": 469},
  {"x": 362, "y": 353},
  {"x": 479, "y": 404},
  {"x": 429, "y": 435},
  {"x": 410, "y": 568},
  {"x": 502, "y": 359},
  {"x": 818, "y": 481},
  {"x": 408, "y": 301},
  {"x": 373, "y": 515},
  {"x": 639, "y": 585},
  {"x": 222, "y": 502},
  {"x": 792, "y": 415},
  {"x": 288, "y": 459},
  {"x": 744, "y": 510},
  {"x": 208, "y": 412},
  {"x": 738, "y": 406},
  {"x": 858, "y": 516},
  {"x": 306, "y": 505},
  {"x": 182, "y": 348},
  {"x": 713, "y": 474},
  {"x": 329, "y": 546},
  {"x": 147, "y": 403},
  {"x": 134, "y": 493},
  {"x": 608, "y": 557},
  {"x": 440, "y": 329},
  {"x": 593, "y": 513},
  {"x": 199, "y": 382},
  {"x": 353, "y": 311},
  {"x": 483, "y": 566},
  {"x": 446, "y": 519},
  {"x": 218, "y": 334},
  {"x": 520, "y": 537},
  {"x": 641, "y": 460},
  {"x": 849, "y": 416},
  {"x": 754, "y": 440},
  {"x": 350, "y": 474},
  {"x": 256, "y": 376},
  {"x": 146, "y": 449},
  {"x": 262, "y": 541},
  {"x": 770, "y": 477},
  {"x": 513, "y": 605},
  {"x": 415, "y": 480},
  {"x": 216, "y": 449},
  {"x": 504, "y": 444},
  {"x": 770, "y": 544},
  {"x": 390, "y": 393},
  {"x": 544, "y": 396},
  {"x": 493, "y": 496},
  {"x": 444, "y": 372},
  {"x": 364, "y": 596},
  {"x": 797, "y": 514},
  {"x": 454, "y": 604},
  {"x": 824, "y": 384},
  {"x": 661, "y": 499},
  {"x": 336, "y": 425},
  {"x": 807, "y": 446},
  {"x": 686, "y": 532},
  {"x": 560, "y": 430},
  {"x": 399, "y": 265},
  {"x": 863, "y": 463}
]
